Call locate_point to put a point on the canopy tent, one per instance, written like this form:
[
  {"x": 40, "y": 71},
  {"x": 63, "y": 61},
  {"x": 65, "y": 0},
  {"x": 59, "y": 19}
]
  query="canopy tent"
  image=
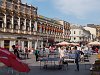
[
  {"x": 74, "y": 44},
  {"x": 63, "y": 43},
  {"x": 96, "y": 43}
]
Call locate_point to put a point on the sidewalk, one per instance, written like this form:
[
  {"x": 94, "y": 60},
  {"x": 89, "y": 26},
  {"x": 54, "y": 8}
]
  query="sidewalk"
[{"x": 35, "y": 69}]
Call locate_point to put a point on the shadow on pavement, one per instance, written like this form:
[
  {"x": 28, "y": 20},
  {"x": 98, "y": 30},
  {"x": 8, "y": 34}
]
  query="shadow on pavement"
[{"x": 35, "y": 70}]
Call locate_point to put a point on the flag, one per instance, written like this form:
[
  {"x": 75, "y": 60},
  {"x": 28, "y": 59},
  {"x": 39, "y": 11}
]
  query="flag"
[
  {"x": 5, "y": 61},
  {"x": 18, "y": 65},
  {"x": 4, "y": 52}
]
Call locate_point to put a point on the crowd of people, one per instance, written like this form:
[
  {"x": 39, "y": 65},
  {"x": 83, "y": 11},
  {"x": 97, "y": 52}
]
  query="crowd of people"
[{"x": 76, "y": 52}]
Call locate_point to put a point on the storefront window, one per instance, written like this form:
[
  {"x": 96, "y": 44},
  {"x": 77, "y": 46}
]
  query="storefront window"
[
  {"x": 6, "y": 44},
  {"x": 25, "y": 43}
]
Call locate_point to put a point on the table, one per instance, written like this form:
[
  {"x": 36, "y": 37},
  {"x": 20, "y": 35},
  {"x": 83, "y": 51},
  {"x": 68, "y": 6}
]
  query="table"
[{"x": 46, "y": 60}]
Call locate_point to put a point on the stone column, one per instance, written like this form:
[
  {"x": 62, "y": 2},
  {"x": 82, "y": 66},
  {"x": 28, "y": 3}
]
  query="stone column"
[
  {"x": 30, "y": 25},
  {"x": 36, "y": 43},
  {"x": 22, "y": 44},
  {"x": 12, "y": 23},
  {"x": 42, "y": 44},
  {"x": 5, "y": 21},
  {"x": 25, "y": 24},
  {"x": 19, "y": 22},
  {"x": 2, "y": 43},
  {"x": 19, "y": 25},
  {"x": 11, "y": 43}
]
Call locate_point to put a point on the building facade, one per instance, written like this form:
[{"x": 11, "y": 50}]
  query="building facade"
[
  {"x": 92, "y": 31},
  {"x": 79, "y": 34},
  {"x": 20, "y": 24},
  {"x": 97, "y": 27},
  {"x": 17, "y": 24},
  {"x": 97, "y": 32},
  {"x": 66, "y": 30},
  {"x": 52, "y": 31}
]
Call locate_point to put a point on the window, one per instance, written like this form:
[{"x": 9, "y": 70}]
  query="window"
[
  {"x": 74, "y": 32},
  {"x": 79, "y": 32},
  {"x": 80, "y": 38},
  {"x": 1, "y": 24},
  {"x": 74, "y": 38}
]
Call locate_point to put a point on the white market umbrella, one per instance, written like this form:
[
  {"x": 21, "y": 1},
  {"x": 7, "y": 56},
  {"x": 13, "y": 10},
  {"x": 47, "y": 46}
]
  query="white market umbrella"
[
  {"x": 74, "y": 44},
  {"x": 94, "y": 43},
  {"x": 63, "y": 43}
]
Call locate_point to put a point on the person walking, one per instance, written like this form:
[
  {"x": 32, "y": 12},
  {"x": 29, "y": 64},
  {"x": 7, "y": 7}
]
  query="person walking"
[
  {"x": 16, "y": 52},
  {"x": 37, "y": 54},
  {"x": 26, "y": 52},
  {"x": 62, "y": 53},
  {"x": 77, "y": 58}
]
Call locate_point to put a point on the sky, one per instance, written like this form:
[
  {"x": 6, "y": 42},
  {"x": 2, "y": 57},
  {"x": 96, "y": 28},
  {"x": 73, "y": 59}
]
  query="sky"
[{"x": 79, "y": 12}]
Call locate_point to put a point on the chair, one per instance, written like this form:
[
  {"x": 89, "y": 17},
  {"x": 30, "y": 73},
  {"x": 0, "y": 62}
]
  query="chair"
[{"x": 87, "y": 63}]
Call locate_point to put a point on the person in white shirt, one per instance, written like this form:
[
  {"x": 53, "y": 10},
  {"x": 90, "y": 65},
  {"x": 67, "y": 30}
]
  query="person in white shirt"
[
  {"x": 62, "y": 55},
  {"x": 62, "y": 52},
  {"x": 47, "y": 51}
]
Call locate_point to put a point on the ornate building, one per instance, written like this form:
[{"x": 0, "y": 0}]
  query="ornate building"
[
  {"x": 17, "y": 24},
  {"x": 52, "y": 31},
  {"x": 66, "y": 30},
  {"x": 20, "y": 24},
  {"x": 97, "y": 27},
  {"x": 79, "y": 34},
  {"x": 49, "y": 29},
  {"x": 97, "y": 32}
]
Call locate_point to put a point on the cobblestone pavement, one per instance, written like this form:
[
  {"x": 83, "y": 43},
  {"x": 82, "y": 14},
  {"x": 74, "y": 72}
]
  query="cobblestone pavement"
[{"x": 35, "y": 69}]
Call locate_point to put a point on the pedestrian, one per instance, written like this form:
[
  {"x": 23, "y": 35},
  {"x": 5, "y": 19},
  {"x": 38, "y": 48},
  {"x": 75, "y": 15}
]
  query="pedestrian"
[
  {"x": 96, "y": 50},
  {"x": 62, "y": 53},
  {"x": 37, "y": 54},
  {"x": 77, "y": 58},
  {"x": 26, "y": 52},
  {"x": 81, "y": 56},
  {"x": 16, "y": 51}
]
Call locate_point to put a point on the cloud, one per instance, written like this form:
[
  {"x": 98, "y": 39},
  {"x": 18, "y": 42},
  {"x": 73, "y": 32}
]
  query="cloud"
[{"x": 78, "y": 8}]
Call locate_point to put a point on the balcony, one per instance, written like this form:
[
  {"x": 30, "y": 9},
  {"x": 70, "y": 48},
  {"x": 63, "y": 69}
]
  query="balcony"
[
  {"x": 8, "y": 30},
  {"x": 21, "y": 31},
  {"x": 28, "y": 32},
  {"x": 1, "y": 30},
  {"x": 9, "y": 5},
  {"x": 1, "y": 3},
  {"x": 15, "y": 31},
  {"x": 33, "y": 33},
  {"x": 22, "y": 9}
]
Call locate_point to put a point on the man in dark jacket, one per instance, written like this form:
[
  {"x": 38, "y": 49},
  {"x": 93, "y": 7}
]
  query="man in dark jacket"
[
  {"x": 77, "y": 58},
  {"x": 15, "y": 51}
]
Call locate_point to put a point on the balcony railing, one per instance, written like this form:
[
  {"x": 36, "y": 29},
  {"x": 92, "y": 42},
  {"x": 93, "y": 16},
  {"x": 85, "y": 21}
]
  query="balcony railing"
[
  {"x": 22, "y": 9},
  {"x": 15, "y": 31},
  {"x": 1, "y": 30},
  {"x": 22, "y": 31},
  {"x": 9, "y": 5},
  {"x": 27, "y": 32},
  {"x": 8, "y": 30},
  {"x": 1, "y": 3}
]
